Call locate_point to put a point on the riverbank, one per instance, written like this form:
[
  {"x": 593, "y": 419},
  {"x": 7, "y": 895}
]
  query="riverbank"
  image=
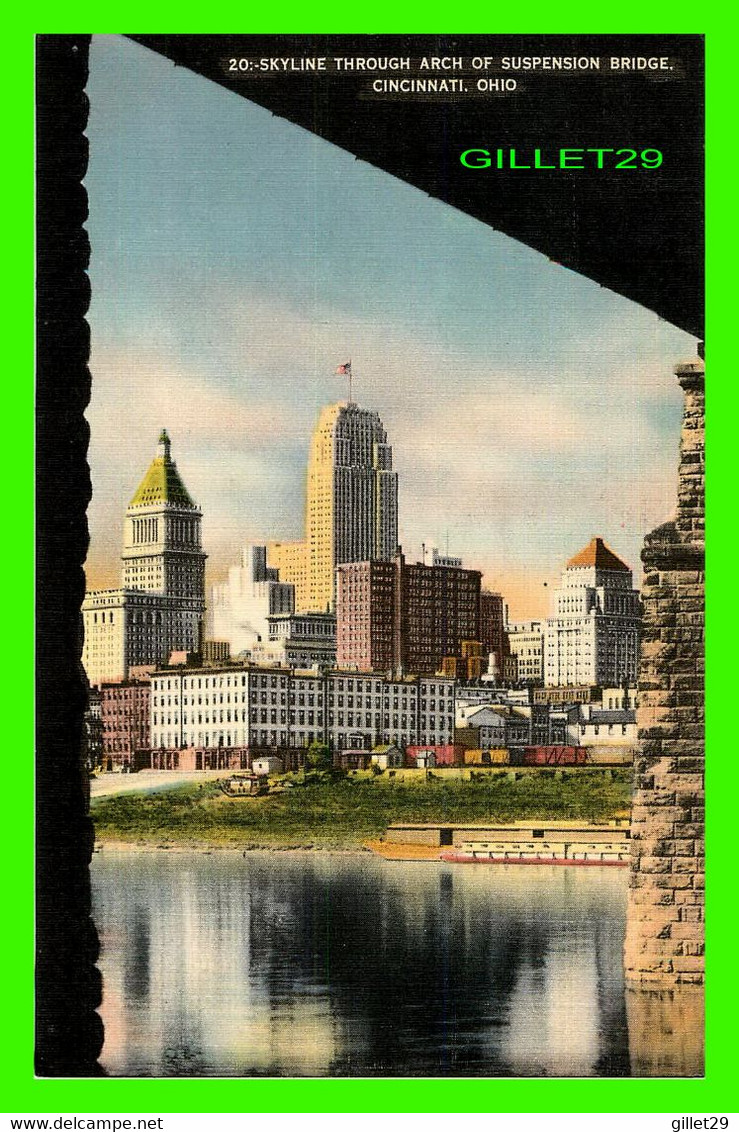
[
  {"x": 204, "y": 848},
  {"x": 343, "y": 814},
  {"x": 148, "y": 781}
]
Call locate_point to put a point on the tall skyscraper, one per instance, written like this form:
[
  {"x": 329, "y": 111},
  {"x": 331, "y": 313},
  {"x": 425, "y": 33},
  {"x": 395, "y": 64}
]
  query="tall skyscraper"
[
  {"x": 351, "y": 504},
  {"x": 593, "y": 635},
  {"x": 161, "y": 603}
]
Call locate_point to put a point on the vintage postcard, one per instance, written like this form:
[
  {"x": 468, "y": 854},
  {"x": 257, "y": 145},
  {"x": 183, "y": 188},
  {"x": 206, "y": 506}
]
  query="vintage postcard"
[{"x": 371, "y": 687}]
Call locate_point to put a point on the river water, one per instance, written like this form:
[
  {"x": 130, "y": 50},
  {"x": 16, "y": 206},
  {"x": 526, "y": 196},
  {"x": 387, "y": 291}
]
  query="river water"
[
  {"x": 317, "y": 964},
  {"x": 324, "y": 964}
]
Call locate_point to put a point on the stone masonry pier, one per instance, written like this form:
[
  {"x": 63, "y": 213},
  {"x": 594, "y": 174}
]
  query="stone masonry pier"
[{"x": 664, "y": 940}]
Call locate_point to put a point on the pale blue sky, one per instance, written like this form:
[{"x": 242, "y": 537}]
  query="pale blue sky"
[{"x": 237, "y": 259}]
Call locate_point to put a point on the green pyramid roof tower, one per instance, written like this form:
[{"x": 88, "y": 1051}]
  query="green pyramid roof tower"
[{"x": 162, "y": 483}]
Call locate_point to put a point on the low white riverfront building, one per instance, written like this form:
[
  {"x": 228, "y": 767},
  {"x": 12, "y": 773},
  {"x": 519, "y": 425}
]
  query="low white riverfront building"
[{"x": 251, "y": 706}]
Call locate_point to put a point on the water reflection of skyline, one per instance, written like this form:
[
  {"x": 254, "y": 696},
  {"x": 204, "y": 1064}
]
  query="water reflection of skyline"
[{"x": 317, "y": 964}]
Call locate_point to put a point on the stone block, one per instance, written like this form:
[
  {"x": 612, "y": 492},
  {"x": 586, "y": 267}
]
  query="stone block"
[
  {"x": 676, "y": 748},
  {"x": 661, "y": 848},
  {"x": 691, "y": 731},
  {"x": 656, "y": 698},
  {"x": 655, "y": 864},
  {"x": 656, "y": 918},
  {"x": 653, "y": 680},
  {"x": 665, "y": 800},
  {"x": 692, "y": 830},
  {"x": 651, "y": 730},
  {"x": 691, "y": 931},
  {"x": 657, "y": 651},
  {"x": 652, "y": 948},
  {"x": 688, "y": 699},
  {"x": 645, "y": 897},
  {"x": 658, "y": 830},
  {"x": 691, "y": 603},
  {"x": 661, "y": 589},
  {"x": 691, "y": 618},
  {"x": 673, "y": 881},
  {"x": 690, "y": 791},
  {"x": 671, "y": 813},
  {"x": 686, "y": 865},
  {"x": 651, "y": 714},
  {"x": 688, "y": 963},
  {"x": 688, "y": 764},
  {"x": 682, "y": 682},
  {"x": 649, "y": 751},
  {"x": 684, "y": 715},
  {"x": 654, "y": 973},
  {"x": 688, "y": 898},
  {"x": 687, "y": 663}
]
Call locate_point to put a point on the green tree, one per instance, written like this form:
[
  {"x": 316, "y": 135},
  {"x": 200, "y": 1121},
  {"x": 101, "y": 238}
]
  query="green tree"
[{"x": 319, "y": 756}]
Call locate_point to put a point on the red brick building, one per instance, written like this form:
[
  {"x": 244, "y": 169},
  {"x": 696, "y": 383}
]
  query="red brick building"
[
  {"x": 124, "y": 709},
  {"x": 492, "y": 627},
  {"x": 409, "y": 616},
  {"x": 366, "y": 615}
]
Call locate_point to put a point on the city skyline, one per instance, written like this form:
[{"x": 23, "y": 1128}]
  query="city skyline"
[{"x": 529, "y": 410}]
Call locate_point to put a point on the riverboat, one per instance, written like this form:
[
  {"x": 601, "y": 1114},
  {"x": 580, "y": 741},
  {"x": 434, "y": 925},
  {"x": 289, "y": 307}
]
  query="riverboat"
[{"x": 538, "y": 853}]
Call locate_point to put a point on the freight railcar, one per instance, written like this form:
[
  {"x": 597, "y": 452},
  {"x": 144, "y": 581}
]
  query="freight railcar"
[{"x": 554, "y": 756}]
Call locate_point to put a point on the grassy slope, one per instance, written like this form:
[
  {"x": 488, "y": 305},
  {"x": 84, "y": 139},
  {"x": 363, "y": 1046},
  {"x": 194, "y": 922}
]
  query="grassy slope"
[{"x": 345, "y": 813}]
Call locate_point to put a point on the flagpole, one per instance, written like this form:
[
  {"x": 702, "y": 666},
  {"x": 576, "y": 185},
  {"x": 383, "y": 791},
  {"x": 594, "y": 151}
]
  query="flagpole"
[{"x": 346, "y": 370}]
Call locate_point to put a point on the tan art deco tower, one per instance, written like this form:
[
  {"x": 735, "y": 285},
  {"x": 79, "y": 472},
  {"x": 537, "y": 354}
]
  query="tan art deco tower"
[{"x": 351, "y": 504}]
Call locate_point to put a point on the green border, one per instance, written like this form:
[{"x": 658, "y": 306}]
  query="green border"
[{"x": 21, "y": 1092}]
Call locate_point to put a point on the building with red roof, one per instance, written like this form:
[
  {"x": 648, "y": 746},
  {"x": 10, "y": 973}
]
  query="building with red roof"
[{"x": 592, "y": 636}]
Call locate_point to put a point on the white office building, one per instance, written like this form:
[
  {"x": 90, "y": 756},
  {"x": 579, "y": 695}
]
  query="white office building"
[
  {"x": 593, "y": 635},
  {"x": 526, "y": 644}
]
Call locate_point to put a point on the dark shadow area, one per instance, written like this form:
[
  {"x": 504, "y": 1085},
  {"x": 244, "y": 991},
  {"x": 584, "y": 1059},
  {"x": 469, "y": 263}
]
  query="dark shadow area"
[{"x": 69, "y": 1033}]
